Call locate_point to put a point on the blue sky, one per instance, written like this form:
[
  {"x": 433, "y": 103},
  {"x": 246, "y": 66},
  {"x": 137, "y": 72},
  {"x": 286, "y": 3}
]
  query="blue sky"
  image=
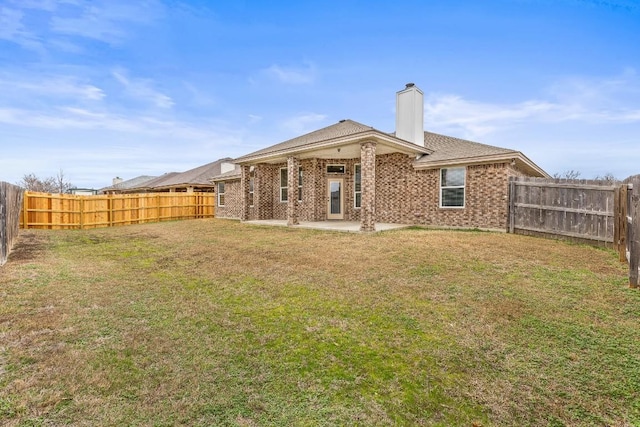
[{"x": 119, "y": 88}]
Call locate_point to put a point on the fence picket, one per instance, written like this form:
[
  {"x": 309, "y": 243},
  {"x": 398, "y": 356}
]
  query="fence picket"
[
  {"x": 10, "y": 204},
  {"x": 633, "y": 232},
  {"x": 64, "y": 211},
  {"x": 577, "y": 210}
]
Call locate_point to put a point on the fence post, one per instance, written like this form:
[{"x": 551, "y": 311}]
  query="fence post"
[
  {"x": 25, "y": 210},
  {"x": 81, "y": 213},
  {"x": 634, "y": 233},
  {"x": 620, "y": 221}
]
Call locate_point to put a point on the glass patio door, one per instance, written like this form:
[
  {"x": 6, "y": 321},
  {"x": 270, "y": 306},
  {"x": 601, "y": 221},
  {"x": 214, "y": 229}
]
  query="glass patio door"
[{"x": 336, "y": 199}]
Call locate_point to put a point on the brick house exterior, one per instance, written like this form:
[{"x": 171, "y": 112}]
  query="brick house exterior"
[{"x": 352, "y": 172}]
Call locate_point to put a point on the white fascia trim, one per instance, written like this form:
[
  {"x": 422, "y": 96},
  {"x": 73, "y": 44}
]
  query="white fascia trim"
[
  {"x": 360, "y": 137},
  {"x": 478, "y": 160}
]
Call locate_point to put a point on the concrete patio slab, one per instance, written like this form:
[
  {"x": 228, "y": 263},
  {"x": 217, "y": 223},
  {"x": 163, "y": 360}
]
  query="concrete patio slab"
[{"x": 345, "y": 226}]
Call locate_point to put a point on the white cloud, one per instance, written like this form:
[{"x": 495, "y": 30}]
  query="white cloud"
[
  {"x": 603, "y": 101},
  {"x": 303, "y": 123},
  {"x": 254, "y": 118},
  {"x": 74, "y": 118},
  {"x": 37, "y": 25},
  {"x": 13, "y": 29},
  {"x": 62, "y": 87},
  {"x": 142, "y": 89},
  {"x": 106, "y": 21},
  {"x": 291, "y": 75}
]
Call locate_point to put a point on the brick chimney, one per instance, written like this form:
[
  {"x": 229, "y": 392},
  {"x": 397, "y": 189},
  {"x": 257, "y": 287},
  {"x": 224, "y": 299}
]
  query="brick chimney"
[{"x": 410, "y": 114}]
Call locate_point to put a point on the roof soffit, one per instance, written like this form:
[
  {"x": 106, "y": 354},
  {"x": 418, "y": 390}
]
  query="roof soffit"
[{"x": 338, "y": 148}]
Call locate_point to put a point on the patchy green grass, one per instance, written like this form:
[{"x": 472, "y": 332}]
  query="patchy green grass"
[{"x": 213, "y": 322}]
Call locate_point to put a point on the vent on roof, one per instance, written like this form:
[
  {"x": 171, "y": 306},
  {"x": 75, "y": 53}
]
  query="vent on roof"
[
  {"x": 343, "y": 120},
  {"x": 410, "y": 114}
]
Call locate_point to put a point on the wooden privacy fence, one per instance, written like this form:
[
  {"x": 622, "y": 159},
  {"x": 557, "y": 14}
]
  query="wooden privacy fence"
[
  {"x": 579, "y": 210},
  {"x": 65, "y": 211},
  {"x": 629, "y": 224},
  {"x": 592, "y": 212},
  {"x": 10, "y": 206}
]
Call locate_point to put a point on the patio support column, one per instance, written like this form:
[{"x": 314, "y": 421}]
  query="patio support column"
[
  {"x": 368, "y": 186},
  {"x": 292, "y": 190},
  {"x": 244, "y": 188}
]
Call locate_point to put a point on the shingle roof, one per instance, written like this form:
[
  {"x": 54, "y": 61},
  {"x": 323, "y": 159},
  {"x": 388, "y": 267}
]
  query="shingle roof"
[
  {"x": 130, "y": 183},
  {"x": 197, "y": 176},
  {"x": 447, "y": 148},
  {"x": 340, "y": 129},
  {"x": 156, "y": 181},
  {"x": 438, "y": 150}
]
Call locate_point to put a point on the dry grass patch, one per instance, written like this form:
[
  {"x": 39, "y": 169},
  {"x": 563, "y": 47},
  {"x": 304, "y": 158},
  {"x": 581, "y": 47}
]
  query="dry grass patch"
[{"x": 213, "y": 322}]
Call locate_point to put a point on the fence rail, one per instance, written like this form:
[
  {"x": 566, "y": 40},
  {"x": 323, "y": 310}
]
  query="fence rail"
[
  {"x": 574, "y": 209},
  {"x": 580, "y": 210},
  {"x": 64, "y": 211},
  {"x": 10, "y": 206}
]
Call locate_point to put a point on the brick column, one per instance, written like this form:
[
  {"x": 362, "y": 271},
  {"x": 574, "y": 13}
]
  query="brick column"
[
  {"x": 292, "y": 191},
  {"x": 368, "y": 186},
  {"x": 244, "y": 188}
]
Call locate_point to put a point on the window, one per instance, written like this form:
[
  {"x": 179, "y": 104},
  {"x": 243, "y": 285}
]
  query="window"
[
  {"x": 283, "y": 185},
  {"x": 357, "y": 186},
  {"x": 284, "y": 178},
  {"x": 221, "y": 194},
  {"x": 251, "y": 184},
  {"x": 300, "y": 184},
  {"x": 452, "y": 187},
  {"x": 335, "y": 168}
]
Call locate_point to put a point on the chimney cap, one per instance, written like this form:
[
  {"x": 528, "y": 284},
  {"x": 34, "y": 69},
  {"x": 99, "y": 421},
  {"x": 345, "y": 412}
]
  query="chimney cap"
[{"x": 408, "y": 85}]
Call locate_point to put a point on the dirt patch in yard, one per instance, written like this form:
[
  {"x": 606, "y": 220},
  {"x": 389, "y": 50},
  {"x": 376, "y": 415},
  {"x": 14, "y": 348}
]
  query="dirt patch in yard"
[{"x": 29, "y": 246}]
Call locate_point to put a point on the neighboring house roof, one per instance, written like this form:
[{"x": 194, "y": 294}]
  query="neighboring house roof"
[
  {"x": 343, "y": 133},
  {"x": 447, "y": 150},
  {"x": 196, "y": 177},
  {"x": 156, "y": 181},
  {"x": 130, "y": 183}
]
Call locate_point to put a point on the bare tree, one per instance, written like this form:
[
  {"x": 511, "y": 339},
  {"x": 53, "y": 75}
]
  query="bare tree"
[
  {"x": 61, "y": 184},
  {"x": 608, "y": 178},
  {"x": 568, "y": 174},
  {"x": 53, "y": 184}
]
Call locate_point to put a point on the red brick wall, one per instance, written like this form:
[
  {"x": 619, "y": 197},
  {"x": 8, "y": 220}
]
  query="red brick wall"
[
  {"x": 232, "y": 200},
  {"x": 403, "y": 195}
]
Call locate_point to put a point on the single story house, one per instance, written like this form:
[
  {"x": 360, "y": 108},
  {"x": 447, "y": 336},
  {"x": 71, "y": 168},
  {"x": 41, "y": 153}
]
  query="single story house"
[
  {"x": 353, "y": 172},
  {"x": 196, "y": 180},
  {"x": 120, "y": 185}
]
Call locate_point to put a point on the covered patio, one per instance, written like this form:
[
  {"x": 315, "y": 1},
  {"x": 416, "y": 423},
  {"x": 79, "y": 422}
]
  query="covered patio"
[{"x": 344, "y": 226}]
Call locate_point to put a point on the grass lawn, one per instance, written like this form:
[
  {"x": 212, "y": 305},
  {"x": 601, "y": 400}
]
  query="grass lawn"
[{"x": 213, "y": 322}]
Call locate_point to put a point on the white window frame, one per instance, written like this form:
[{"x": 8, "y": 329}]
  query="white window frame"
[
  {"x": 220, "y": 193},
  {"x": 300, "y": 184},
  {"x": 463, "y": 186},
  {"x": 355, "y": 186},
  {"x": 252, "y": 183},
  {"x": 286, "y": 187}
]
